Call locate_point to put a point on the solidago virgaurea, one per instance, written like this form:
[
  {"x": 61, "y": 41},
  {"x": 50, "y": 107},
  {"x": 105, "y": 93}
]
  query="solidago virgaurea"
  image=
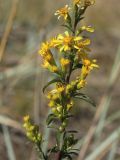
[{"x": 73, "y": 49}]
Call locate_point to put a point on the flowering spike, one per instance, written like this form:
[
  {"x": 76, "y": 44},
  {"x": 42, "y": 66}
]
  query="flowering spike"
[{"x": 74, "y": 48}]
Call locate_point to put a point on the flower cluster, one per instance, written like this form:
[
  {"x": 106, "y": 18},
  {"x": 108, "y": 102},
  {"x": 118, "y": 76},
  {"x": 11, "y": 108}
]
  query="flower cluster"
[
  {"x": 32, "y": 131},
  {"x": 73, "y": 49},
  {"x": 63, "y": 12},
  {"x": 83, "y": 3}
]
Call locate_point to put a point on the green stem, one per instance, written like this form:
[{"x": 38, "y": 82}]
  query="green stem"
[
  {"x": 69, "y": 74},
  {"x": 67, "y": 77},
  {"x": 78, "y": 17},
  {"x": 42, "y": 153},
  {"x": 60, "y": 156}
]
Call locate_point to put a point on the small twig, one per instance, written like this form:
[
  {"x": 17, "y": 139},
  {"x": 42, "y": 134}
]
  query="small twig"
[
  {"x": 8, "y": 143},
  {"x": 8, "y": 28}
]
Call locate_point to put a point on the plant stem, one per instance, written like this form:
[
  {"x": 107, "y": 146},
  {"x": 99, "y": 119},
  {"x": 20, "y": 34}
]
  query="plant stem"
[
  {"x": 42, "y": 153},
  {"x": 70, "y": 70},
  {"x": 67, "y": 79},
  {"x": 60, "y": 155}
]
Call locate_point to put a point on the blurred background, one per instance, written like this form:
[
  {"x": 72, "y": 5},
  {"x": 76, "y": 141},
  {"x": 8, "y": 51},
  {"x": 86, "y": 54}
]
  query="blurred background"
[{"x": 24, "y": 24}]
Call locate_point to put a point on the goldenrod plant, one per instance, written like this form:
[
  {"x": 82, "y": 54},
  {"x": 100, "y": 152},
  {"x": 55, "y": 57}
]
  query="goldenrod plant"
[{"x": 73, "y": 49}]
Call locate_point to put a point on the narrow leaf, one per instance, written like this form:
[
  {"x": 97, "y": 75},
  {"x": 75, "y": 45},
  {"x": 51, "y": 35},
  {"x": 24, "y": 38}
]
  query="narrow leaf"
[
  {"x": 72, "y": 131},
  {"x": 67, "y": 27},
  {"x": 50, "y": 118},
  {"x": 74, "y": 153},
  {"x": 51, "y": 82},
  {"x": 85, "y": 98},
  {"x": 68, "y": 156},
  {"x": 78, "y": 66}
]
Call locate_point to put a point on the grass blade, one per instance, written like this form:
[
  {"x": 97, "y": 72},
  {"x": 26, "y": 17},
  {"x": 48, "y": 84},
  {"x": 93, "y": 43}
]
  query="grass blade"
[
  {"x": 113, "y": 151},
  {"x": 8, "y": 143},
  {"x": 114, "y": 72},
  {"x": 105, "y": 145}
]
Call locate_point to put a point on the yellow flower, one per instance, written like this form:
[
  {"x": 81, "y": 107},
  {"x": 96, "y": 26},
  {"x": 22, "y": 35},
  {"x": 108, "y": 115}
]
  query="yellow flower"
[
  {"x": 56, "y": 96},
  {"x": 70, "y": 105},
  {"x": 87, "y": 28},
  {"x": 63, "y": 12},
  {"x": 81, "y": 84},
  {"x": 54, "y": 110},
  {"x": 88, "y": 65},
  {"x": 89, "y": 2},
  {"x": 53, "y": 95},
  {"x": 77, "y": 2},
  {"x": 51, "y": 104},
  {"x": 59, "y": 108},
  {"x": 54, "y": 42},
  {"x": 81, "y": 54},
  {"x": 26, "y": 118},
  {"x": 45, "y": 47},
  {"x": 46, "y": 64},
  {"x": 60, "y": 87},
  {"x": 82, "y": 44},
  {"x": 46, "y": 53},
  {"x": 84, "y": 72},
  {"x": 64, "y": 63},
  {"x": 66, "y": 42},
  {"x": 32, "y": 131},
  {"x": 53, "y": 68},
  {"x": 70, "y": 87}
]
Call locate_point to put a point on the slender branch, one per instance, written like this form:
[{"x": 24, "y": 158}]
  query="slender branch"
[{"x": 41, "y": 151}]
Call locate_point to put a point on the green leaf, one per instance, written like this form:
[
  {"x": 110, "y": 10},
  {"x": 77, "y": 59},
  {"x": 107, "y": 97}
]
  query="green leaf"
[
  {"x": 75, "y": 149},
  {"x": 69, "y": 116},
  {"x": 51, "y": 117},
  {"x": 82, "y": 11},
  {"x": 67, "y": 27},
  {"x": 81, "y": 18},
  {"x": 78, "y": 66},
  {"x": 59, "y": 139},
  {"x": 68, "y": 156},
  {"x": 72, "y": 131},
  {"x": 85, "y": 98},
  {"x": 53, "y": 127},
  {"x": 53, "y": 150},
  {"x": 74, "y": 153},
  {"x": 51, "y": 82}
]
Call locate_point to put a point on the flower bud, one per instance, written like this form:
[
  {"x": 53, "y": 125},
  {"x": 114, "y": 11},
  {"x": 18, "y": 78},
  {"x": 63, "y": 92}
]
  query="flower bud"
[
  {"x": 61, "y": 129},
  {"x": 59, "y": 116},
  {"x": 64, "y": 124},
  {"x": 89, "y": 2},
  {"x": 59, "y": 108},
  {"x": 54, "y": 110}
]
